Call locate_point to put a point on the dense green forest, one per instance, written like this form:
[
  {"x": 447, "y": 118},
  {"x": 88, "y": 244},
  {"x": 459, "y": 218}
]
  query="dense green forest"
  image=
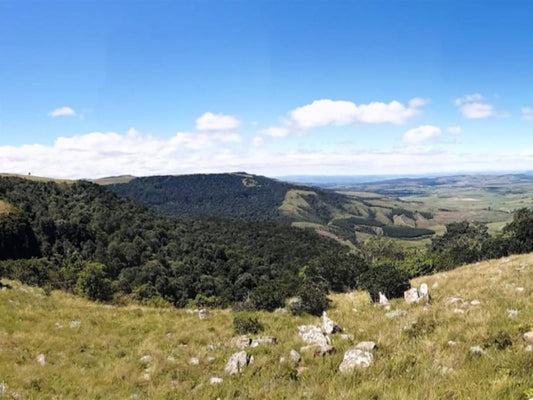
[{"x": 88, "y": 239}]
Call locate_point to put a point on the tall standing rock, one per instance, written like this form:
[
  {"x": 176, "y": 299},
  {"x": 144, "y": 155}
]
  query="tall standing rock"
[
  {"x": 329, "y": 326},
  {"x": 237, "y": 362}
]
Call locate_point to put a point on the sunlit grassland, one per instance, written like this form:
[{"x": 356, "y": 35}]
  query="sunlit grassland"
[{"x": 101, "y": 358}]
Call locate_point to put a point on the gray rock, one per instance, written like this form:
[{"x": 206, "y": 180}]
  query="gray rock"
[
  {"x": 356, "y": 358},
  {"x": 41, "y": 360},
  {"x": 267, "y": 339},
  {"x": 317, "y": 350},
  {"x": 295, "y": 356},
  {"x": 366, "y": 346},
  {"x": 395, "y": 314},
  {"x": 347, "y": 336},
  {"x": 194, "y": 361},
  {"x": 203, "y": 314},
  {"x": 452, "y": 343},
  {"x": 329, "y": 326},
  {"x": 58, "y": 325},
  {"x": 312, "y": 334},
  {"x": 477, "y": 350},
  {"x": 215, "y": 380},
  {"x": 241, "y": 342},
  {"x": 146, "y": 359},
  {"x": 76, "y": 324},
  {"x": 512, "y": 313},
  {"x": 528, "y": 336},
  {"x": 237, "y": 362},
  {"x": 475, "y": 302},
  {"x": 411, "y": 296}
]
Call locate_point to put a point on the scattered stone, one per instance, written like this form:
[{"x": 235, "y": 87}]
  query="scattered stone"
[
  {"x": 58, "y": 325},
  {"x": 215, "y": 380},
  {"x": 146, "y": 376},
  {"x": 458, "y": 311},
  {"x": 282, "y": 360},
  {"x": 169, "y": 334},
  {"x": 203, "y": 314},
  {"x": 475, "y": 302},
  {"x": 347, "y": 336},
  {"x": 237, "y": 362},
  {"x": 329, "y": 326},
  {"x": 453, "y": 300},
  {"x": 76, "y": 324},
  {"x": 267, "y": 339},
  {"x": 519, "y": 289},
  {"x": 41, "y": 360},
  {"x": 512, "y": 313},
  {"x": 317, "y": 350},
  {"x": 194, "y": 361},
  {"x": 312, "y": 334},
  {"x": 366, "y": 346},
  {"x": 171, "y": 358},
  {"x": 395, "y": 314},
  {"x": 356, "y": 358},
  {"x": 528, "y": 348},
  {"x": 146, "y": 359},
  {"x": 528, "y": 336},
  {"x": 477, "y": 350},
  {"x": 254, "y": 343},
  {"x": 210, "y": 359},
  {"x": 241, "y": 342},
  {"x": 383, "y": 301},
  {"x": 295, "y": 356},
  {"x": 411, "y": 296},
  {"x": 452, "y": 343}
]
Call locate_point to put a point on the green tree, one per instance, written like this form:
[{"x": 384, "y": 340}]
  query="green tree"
[{"x": 93, "y": 283}]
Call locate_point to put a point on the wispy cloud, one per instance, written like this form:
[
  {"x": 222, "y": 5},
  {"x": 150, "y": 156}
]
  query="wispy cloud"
[
  {"x": 62, "y": 112},
  {"x": 476, "y": 106},
  {"x": 216, "y": 122},
  {"x": 527, "y": 113},
  {"x": 421, "y": 134}
]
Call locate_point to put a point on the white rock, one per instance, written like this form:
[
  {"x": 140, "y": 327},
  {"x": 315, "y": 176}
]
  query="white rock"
[
  {"x": 458, "y": 311},
  {"x": 512, "y": 313},
  {"x": 210, "y": 359},
  {"x": 215, "y": 380},
  {"x": 476, "y": 350},
  {"x": 312, "y": 334},
  {"x": 475, "y": 302},
  {"x": 75, "y": 324},
  {"x": 329, "y": 326},
  {"x": 395, "y": 314},
  {"x": 146, "y": 377},
  {"x": 520, "y": 289},
  {"x": 355, "y": 358},
  {"x": 41, "y": 360},
  {"x": 424, "y": 292},
  {"x": 383, "y": 301},
  {"x": 528, "y": 348},
  {"x": 452, "y": 343},
  {"x": 171, "y": 358},
  {"x": 203, "y": 314},
  {"x": 528, "y": 336},
  {"x": 267, "y": 339},
  {"x": 411, "y": 296},
  {"x": 241, "y": 342},
  {"x": 237, "y": 362},
  {"x": 194, "y": 361},
  {"x": 58, "y": 325},
  {"x": 347, "y": 336},
  {"x": 295, "y": 356},
  {"x": 146, "y": 358},
  {"x": 366, "y": 346},
  {"x": 452, "y": 300}
]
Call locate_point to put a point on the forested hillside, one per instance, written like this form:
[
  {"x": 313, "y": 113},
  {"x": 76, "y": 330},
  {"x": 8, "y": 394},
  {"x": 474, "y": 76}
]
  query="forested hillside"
[
  {"x": 258, "y": 198},
  {"x": 99, "y": 244}
]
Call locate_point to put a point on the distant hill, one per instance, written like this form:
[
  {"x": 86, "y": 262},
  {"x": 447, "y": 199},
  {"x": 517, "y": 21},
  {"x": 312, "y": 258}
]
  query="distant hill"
[{"x": 258, "y": 198}]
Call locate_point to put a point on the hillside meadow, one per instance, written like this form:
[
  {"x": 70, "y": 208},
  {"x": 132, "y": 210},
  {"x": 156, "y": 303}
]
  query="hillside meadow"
[{"x": 101, "y": 357}]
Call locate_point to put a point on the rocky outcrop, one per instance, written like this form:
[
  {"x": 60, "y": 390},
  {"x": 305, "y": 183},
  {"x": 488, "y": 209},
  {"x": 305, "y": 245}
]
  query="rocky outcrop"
[
  {"x": 356, "y": 358},
  {"x": 237, "y": 362}
]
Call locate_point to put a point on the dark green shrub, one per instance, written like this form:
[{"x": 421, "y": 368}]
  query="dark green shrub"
[
  {"x": 267, "y": 296},
  {"x": 93, "y": 283},
  {"x": 386, "y": 279},
  {"x": 312, "y": 299},
  {"x": 501, "y": 340},
  {"x": 244, "y": 323}
]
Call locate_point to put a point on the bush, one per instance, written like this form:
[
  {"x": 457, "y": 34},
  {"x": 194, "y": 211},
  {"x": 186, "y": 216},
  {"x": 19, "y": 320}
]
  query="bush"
[
  {"x": 246, "y": 323},
  {"x": 267, "y": 296},
  {"x": 385, "y": 279},
  {"x": 93, "y": 283},
  {"x": 312, "y": 299}
]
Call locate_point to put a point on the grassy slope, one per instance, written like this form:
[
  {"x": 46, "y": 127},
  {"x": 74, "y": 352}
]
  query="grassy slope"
[{"x": 101, "y": 359}]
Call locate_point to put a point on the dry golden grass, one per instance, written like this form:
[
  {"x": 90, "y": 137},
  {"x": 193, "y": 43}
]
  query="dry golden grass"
[{"x": 101, "y": 358}]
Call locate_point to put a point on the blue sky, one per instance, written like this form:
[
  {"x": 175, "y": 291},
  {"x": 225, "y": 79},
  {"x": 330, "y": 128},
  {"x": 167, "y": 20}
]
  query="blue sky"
[{"x": 291, "y": 87}]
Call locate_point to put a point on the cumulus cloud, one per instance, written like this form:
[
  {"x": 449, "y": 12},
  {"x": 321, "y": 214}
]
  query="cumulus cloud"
[
  {"x": 527, "y": 113},
  {"x": 217, "y": 122},
  {"x": 62, "y": 112},
  {"x": 454, "y": 130},
  {"x": 475, "y": 106},
  {"x": 421, "y": 134},
  {"x": 327, "y": 112},
  {"x": 258, "y": 141}
]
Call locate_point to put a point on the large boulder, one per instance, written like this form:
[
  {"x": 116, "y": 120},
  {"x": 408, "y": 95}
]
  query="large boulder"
[
  {"x": 356, "y": 358},
  {"x": 312, "y": 334},
  {"x": 329, "y": 326},
  {"x": 237, "y": 362},
  {"x": 411, "y": 296}
]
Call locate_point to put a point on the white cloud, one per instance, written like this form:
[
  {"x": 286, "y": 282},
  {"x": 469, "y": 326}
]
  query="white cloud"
[
  {"x": 62, "y": 112},
  {"x": 421, "y": 134},
  {"x": 258, "y": 141},
  {"x": 475, "y": 106},
  {"x": 527, "y": 113},
  {"x": 216, "y": 122},
  {"x": 327, "y": 112},
  {"x": 454, "y": 130}
]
